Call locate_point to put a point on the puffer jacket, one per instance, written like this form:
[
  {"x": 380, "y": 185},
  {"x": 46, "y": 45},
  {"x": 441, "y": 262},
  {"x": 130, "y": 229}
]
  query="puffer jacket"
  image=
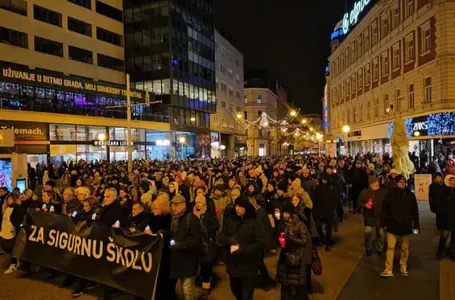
[{"x": 297, "y": 239}]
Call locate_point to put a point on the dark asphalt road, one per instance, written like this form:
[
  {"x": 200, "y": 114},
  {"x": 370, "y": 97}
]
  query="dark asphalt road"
[{"x": 423, "y": 280}]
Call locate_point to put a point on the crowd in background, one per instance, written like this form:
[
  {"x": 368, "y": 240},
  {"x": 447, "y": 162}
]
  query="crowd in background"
[{"x": 235, "y": 212}]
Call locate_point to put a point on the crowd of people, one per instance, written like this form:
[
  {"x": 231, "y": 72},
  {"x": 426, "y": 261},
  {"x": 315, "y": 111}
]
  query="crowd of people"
[{"x": 234, "y": 212}]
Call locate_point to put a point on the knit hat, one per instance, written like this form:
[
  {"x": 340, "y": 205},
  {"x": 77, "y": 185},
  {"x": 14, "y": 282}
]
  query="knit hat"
[
  {"x": 178, "y": 199},
  {"x": 399, "y": 178},
  {"x": 243, "y": 201},
  {"x": 372, "y": 179}
]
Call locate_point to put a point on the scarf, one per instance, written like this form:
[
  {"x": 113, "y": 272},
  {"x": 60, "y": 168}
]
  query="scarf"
[{"x": 175, "y": 221}]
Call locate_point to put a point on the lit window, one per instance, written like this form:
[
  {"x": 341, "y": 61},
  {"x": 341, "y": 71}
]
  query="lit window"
[
  {"x": 259, "y": 99},
  {"x": 428, "y": 90},
  {"x": 411, "y": 96}
]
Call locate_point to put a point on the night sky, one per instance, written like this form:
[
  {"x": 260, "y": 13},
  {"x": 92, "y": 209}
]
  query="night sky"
[{"x": 289, "y": 38}]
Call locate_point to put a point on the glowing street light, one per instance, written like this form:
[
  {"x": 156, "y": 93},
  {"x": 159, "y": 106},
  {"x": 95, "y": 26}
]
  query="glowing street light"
[
  {"x": 293, "y": 113},
  {"x": 193, "y": 119},
  {"x": 319, "y": 136},
  {"x": 182, "y": 140},
  {"x": 239, "y": 115},
  {"x": 311, "y": 128},
  {"x": 304, "y": 121},
  {"x": 101, "y": 137},
  {"x": 346, "y": 128}
]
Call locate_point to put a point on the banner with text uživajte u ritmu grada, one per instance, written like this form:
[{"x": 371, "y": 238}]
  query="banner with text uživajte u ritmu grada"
[{"x": 90, "y": 250}]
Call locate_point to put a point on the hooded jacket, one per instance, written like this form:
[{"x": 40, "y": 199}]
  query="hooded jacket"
[
  {"x": 400, "y": 212},
  {"x": 247, "y": 232}
]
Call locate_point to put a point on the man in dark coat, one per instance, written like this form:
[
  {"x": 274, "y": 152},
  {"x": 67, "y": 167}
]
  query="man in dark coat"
[
  {"x": 324, "y": 204},
  {"x": 70, "y": 203},
  {"x": 244, "y": 235},
  {"x": 186, "y": 239},
  {"x": 371, "y": 200},
  {"x": 261, "y": 214},
  {"x": 308, "y": 183},
  {"x": 445, "y": 209},
  {"x": 111, "y": 210},
  {"x": 339, "y": 186},
  {"x": 400, "y": 218},
  {"x": 139, "y": 218},
  {"x": 357, "y": 181},
  {"x": 436, "y": 191}
]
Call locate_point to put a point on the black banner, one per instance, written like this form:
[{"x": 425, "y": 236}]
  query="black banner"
[{"x": 90, "y": 250}]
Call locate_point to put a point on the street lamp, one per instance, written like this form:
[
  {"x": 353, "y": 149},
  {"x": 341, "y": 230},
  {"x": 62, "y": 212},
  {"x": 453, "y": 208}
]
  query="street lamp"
[
  {"x": 319, "y": 137},
  {"x": 193, "y": 119},
  {"x": 239, "y": 115},
  {"x": 346, "y": 130},
  {"x": 293, "y": 113},
  {"x": 182, "y": 141},
  {"x": 304, "y": 121},
  {"x": 311, "y": 128}
]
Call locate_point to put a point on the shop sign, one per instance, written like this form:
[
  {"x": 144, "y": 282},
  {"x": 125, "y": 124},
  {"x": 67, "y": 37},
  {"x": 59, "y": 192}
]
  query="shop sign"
[
  {"x": 26, "y": 131},
  {"x": 67, "y": 82},
  {"x": 420, "y": 125},
  {"x": 162, "y": 143},
  {"x": 351, "y": 18},
  {"x": 60, "y": 150},
  {"x": 113, "y": 143},
  {"x": 357, "y": 133}
]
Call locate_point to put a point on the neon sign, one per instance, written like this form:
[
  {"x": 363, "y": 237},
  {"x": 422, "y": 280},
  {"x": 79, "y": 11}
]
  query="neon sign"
[{"x": 350, "y": 19}]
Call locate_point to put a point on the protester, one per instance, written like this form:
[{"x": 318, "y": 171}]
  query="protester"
[
  {"x": 445, "y": 208},
  {"x": 400, "y": 219},
  {"x": 244, "y": 237},
  {"x": 294, "y": 256},
  {"x": 323, "y": 208},
  {"x": 186, "y": 237},
  {"x": 371, "y": 200}
]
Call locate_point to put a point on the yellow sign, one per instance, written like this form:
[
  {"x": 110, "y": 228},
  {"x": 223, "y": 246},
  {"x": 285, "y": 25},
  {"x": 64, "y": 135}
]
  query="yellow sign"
[
  {"x": 60, "y": 150},
  {"x": 70, "y": 83}
]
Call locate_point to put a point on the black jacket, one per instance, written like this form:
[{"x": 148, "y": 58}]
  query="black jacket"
[
  {"x": 400, "y": 212},
  {"x": 262, "y": 215},
  {"x": 372, "y": 217},
  {"x": 209, "y": 227},
  {"x": 139, "y": 222},
  {"x": 249, "y": 234},
  {"x": 71, "y": 206},
  {"x": 111, "y": 213},
  {"x": 435, "y": 195},
  {"x": 324, "y": 201},
  {"x": 445, "y": 209},
  {"x": 187, "y": 249}
]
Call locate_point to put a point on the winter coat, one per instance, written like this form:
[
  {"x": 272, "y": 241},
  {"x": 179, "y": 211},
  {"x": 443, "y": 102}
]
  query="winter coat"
[
  {"x": 297, "y": 238},
  {"x": 436, "y": 192},
  {"x": 400, "y": 212},
  {"x": 309, "y": 185},
  {"x": 445, "y": 209},
  {"x": 112, "y": 213},
  {"x": 68, "y": 207},
  {"x": 372, "y": 217},
  {"x": 10, "y": 222},
  {"x": 248, "y": 233},
  {"x": 139, "y": 222},
  {"x": 262, "y": 215},
  {"x": 209, "y": 227},
  {"x": 221, "y": 203},
  {"x": 359, "y": 180},
  {"x": 187, "y": 249},
  {"x": 325, "y": 201}
]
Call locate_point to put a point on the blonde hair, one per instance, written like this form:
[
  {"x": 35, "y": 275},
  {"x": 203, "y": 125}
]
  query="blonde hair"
[
  {"x": 200, "y": 197},
  {"x": 235, "y": 192},
  {"x": 163, "y": 204}
]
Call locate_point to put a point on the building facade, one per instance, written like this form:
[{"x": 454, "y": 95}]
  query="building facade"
[
  {"x": 261, "y": 142},
  {"x": 62, "y": 72},
  {"x": 396, "y": 62},
  {"x": 170, "y": 51},
  {"x": 228, "y": 135}
]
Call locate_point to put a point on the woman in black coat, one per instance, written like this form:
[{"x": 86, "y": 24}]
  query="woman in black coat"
[
  {"x": 296, "y": 241},
  {"x": 244, "y": 236},
  {"x": 324, "y": 204},
  {"x": 160, "y": 223}
]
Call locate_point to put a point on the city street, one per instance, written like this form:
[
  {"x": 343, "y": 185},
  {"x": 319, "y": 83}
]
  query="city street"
[{"x": 347, "y": 274}]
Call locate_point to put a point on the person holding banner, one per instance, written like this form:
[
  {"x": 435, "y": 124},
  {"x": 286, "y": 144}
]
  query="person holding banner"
[{"x": 186, "y": 237}]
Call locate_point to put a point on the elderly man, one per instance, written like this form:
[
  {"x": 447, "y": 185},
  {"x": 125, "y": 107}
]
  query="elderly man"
[
  {"x": 186, "y": 238},
  {"x": 70, "y": 203}
]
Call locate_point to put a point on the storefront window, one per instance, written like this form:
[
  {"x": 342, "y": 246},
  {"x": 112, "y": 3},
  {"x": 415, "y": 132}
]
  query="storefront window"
[
  {"x": 121, "y": 153},
  {"x": 94, "y": 132},
  {"x": 62, "y": 132},
  {"x": 81, "y": 133},
  {"x": 91, "y": 153}
]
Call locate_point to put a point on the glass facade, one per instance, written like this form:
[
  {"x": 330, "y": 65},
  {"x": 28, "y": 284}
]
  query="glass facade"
[{"x": 170, "y": 51}]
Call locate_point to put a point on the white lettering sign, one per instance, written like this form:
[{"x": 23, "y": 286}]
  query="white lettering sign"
[
  {"x": 350, "y": 19},
  {"x": 420, "y": 126}
]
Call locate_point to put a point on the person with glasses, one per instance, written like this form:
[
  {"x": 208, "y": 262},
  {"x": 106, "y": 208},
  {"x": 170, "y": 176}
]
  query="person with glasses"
[{"x": 400, "y": 219}]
